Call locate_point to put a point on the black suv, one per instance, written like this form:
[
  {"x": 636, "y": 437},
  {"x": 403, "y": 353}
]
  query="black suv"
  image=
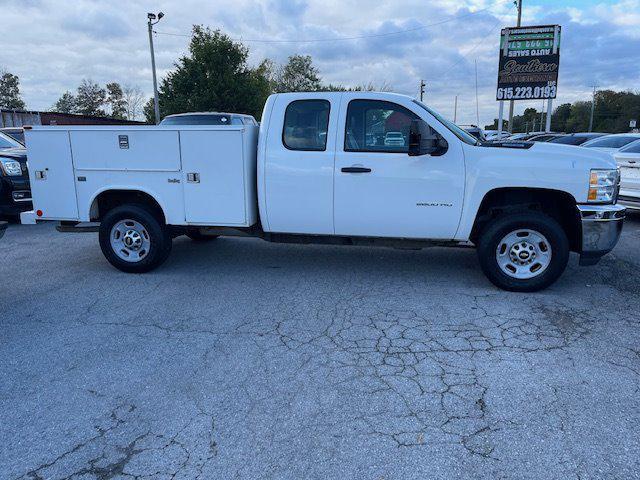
[{"x": 15, "y": 191}]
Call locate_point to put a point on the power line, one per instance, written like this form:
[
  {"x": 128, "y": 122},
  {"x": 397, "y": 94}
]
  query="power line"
[{"x": 355, "y": 37}]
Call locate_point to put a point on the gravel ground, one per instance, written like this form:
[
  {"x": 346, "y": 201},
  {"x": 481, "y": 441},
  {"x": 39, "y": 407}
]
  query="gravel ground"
[{"x": 244, "y": 359}]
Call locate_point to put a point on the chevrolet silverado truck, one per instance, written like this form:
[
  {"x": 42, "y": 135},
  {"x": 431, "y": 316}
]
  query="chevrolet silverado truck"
[
  {"x": 320, "y": 169},
  {"x": 15, "y": 193}
]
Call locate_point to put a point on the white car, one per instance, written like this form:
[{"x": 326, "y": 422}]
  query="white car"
[
  {"x": 394, "y": 139},
  {"x": 494, "y": 135},
  {"x": 628, "y": 158},
  {"x": 309, "y": 175},
  {"x": 612, "y": 143}
]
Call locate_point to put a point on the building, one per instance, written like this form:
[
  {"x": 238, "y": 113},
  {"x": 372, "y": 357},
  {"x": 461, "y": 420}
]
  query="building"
[{"x": 19, "y": 118}]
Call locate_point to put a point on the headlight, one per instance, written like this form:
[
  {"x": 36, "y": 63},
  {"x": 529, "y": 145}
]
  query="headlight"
[
  {"x": 10, "y": 167},
  {"x": 603, "y": 186}
]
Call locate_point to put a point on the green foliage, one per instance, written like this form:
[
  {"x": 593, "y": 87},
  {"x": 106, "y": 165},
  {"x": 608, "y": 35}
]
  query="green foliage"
[
  {"x": 65, "y": 104},
  {"x": 214, "y": 76},
  {"x": 297, "y": 75},
  {"x": 115, "y": 98},
  {"x": 613, "y": 111},
  {"x": 90, "y": 98},
  {"x": 10, "y": 91}
]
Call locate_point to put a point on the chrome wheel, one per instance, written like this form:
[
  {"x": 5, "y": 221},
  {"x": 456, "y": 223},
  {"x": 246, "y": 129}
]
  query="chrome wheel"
[
  {"x": 523, "y": 254},
  {"x": 130, "y": 240}
]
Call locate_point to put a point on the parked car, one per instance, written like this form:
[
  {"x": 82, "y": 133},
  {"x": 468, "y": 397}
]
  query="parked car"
[
  {"x": 3, "y": 227},
  {"x": 576, "y": 138},
  {"x": 440, "y": 189},
  {"x": 394, "y": 139},
  {"x": 475, "y": 131},
  {"x": 17, "y": 133},
  {"x": 208, "y": 118},
  {"x": 612, "y": 143},
  {"x": 628, "y": 158},
  {"x": 15, "y": 192},
  {"x": 494, "y": 135},
  {"x": 545, "y": 137}
]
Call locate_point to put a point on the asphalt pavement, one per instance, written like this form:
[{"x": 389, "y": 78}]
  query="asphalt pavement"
[{"x": 240, "y": 359}]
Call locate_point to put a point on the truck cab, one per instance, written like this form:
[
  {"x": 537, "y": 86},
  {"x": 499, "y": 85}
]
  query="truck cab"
[{"x": 350, "y": 168}]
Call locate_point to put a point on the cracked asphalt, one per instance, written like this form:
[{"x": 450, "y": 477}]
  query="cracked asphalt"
[{"x": 249, "y": 360}]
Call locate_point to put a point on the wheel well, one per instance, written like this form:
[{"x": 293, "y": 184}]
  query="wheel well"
[
  {"x": 555, "y": 203},
  {"x": 110, "y": 199}
]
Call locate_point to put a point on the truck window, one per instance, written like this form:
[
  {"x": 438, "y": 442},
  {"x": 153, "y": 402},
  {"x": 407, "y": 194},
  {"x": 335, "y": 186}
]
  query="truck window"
[
  {"x": 377, "y": 126},
  {"x": 305, "y": 125}
]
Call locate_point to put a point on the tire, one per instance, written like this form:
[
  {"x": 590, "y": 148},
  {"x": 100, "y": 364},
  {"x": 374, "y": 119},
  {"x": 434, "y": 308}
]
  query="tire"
[
  {"x": 197, "y": 236},
  {"x": 523, "y": 252},
  {"x": 148, "y": 237}
]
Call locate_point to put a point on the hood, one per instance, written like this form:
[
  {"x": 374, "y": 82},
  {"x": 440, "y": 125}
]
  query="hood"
[
  {"x": 592, "y": 157},
  {"x": 19, "y": 154}
]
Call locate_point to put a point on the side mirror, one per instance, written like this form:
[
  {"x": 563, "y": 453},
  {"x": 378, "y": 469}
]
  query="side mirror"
[{"x": 423, "y": 141}]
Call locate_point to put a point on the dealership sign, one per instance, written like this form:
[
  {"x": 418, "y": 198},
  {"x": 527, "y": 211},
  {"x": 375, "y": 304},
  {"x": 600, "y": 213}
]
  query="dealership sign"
[{"x": 529, "y": 62}]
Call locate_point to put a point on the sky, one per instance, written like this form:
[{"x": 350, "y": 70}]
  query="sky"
[{"x": 53, "y": 44}]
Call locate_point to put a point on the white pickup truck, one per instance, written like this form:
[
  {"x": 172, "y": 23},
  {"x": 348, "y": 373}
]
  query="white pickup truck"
[{"x": 321, "y": 169}]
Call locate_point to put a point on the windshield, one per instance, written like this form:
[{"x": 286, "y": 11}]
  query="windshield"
[
  {"x": 7, "y": 142},
  {"x": 612, "y": 141},
  {"x": 631, "y": 148},
  {"x": 569, "y": 140},
  {"x": 197, "y": 120},
  {"x": 456, "y": 130}
]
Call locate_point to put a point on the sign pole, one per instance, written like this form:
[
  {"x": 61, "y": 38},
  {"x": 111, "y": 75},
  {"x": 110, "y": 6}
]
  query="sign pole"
[
  {"x": 549, "y": 111},
  {"x": 500, "y": 118}
]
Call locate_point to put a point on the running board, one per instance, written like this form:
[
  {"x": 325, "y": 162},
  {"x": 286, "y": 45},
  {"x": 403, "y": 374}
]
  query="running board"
[{"x": 73, "y": 227}]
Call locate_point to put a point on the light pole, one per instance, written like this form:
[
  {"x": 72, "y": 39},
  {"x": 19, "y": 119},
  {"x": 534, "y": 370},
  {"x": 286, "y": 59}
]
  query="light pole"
[
  {"x": 150, "y": 24},
  {"x": 593, "y": 107},
  {"x": 518, "y": 23}
]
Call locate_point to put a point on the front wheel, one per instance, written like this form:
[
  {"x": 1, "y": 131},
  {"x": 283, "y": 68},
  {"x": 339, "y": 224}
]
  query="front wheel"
[
  {"x": 523, "y": 252},
  {"x": 133, "y": 239}
]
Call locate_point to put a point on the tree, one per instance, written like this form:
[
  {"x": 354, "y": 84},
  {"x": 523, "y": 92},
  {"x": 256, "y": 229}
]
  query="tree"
[
  {"x": 297, "y": 75},
  {"x": 10, "y": 91},
  {"x": 65, "y": 104},
  {"x": 115, "y": 98},
  {"x": 213, "y": 76},
  {"x": 133, "y": 100},
  {"x": 90, "y": 98}
]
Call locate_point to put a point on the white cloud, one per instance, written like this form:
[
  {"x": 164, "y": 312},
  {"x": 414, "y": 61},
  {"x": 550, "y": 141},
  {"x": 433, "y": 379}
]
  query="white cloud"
[{"x": 52, "y": 45}]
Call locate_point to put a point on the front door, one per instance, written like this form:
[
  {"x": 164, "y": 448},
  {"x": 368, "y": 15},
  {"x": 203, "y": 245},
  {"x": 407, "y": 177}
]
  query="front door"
[{"x": 380, "y": 191}]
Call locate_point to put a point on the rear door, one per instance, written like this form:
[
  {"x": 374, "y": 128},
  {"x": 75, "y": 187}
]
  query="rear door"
[
  {"x": 51, "y": 174},
  {"x": 298, "y": 164},
  {"x": 380, "y": 191}
]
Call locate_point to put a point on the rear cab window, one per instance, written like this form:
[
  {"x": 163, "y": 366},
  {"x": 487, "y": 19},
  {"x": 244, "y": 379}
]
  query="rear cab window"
[{"x": 306, "y": 123}]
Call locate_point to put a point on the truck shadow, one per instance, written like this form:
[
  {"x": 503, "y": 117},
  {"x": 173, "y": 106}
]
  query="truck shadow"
[{"x": 254, "y": 257}]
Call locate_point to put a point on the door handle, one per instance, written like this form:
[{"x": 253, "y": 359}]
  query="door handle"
[
  {"x": 193, "y": 177},
  {"x": 355, "y": 170}
]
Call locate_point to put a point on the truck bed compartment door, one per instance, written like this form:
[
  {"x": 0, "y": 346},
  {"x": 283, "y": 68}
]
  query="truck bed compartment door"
[
  {"x": 51, "y": 174},
  {"x": 213, "y": 176}
]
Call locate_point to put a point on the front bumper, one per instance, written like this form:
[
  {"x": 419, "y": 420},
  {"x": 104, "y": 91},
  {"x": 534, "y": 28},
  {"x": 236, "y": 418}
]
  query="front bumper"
[
  {"x": 601, "y": 229},
  {"x": 15, "y": 195}
]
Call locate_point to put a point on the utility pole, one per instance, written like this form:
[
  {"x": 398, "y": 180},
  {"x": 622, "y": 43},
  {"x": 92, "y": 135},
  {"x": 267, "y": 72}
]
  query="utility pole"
[
  {"x": 150, "y": 24},
  {"x": 593, "y": 108},
  {"x": 455, "y": 109},
  {"x": 477, "y": 103},
  {"x": 519, "y": 5},
  {"x": 422, "y": 85}
]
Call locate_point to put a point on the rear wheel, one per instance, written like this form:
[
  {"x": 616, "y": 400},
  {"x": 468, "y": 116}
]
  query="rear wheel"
[
  {"x": 523, "y": 252},
  {"x": 133, "y": 239}
]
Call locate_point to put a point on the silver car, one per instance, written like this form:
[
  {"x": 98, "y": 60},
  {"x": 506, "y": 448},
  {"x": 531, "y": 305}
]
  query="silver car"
[{"x": 628, "y": 158}]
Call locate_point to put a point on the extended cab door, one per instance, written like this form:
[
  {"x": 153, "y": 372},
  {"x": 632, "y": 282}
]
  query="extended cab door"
[
  {"x": 380, "y": 191},
  {"x": 298, "y": 163}
]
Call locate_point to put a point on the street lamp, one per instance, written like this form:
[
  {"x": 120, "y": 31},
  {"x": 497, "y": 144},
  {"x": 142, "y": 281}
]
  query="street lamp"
[{"x": 153, "y": 19}]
